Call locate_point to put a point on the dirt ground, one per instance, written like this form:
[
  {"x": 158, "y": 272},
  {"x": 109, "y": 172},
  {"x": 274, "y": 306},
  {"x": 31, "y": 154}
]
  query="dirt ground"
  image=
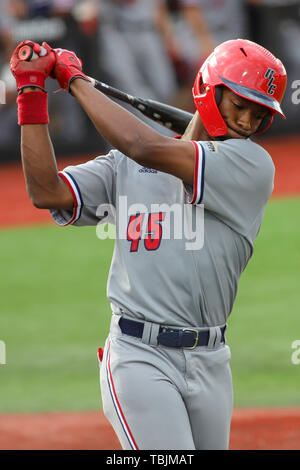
[{"x": 252, "y": 429}]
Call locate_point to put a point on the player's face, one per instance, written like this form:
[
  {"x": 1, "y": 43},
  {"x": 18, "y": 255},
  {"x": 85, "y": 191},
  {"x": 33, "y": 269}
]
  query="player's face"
[{"x": 242, "y": 116}]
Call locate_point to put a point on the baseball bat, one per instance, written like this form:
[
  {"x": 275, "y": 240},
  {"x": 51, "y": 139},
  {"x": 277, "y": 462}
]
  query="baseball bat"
[{"x": 168, "y": 116}]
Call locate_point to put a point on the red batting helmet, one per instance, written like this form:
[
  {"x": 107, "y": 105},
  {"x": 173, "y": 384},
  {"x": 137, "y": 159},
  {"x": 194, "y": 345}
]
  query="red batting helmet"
[{"x": 247, "y": 69}]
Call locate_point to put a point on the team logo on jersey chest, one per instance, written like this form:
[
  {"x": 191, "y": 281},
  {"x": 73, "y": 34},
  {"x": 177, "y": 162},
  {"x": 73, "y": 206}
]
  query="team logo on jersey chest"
[{"x": 270, "y": 76}]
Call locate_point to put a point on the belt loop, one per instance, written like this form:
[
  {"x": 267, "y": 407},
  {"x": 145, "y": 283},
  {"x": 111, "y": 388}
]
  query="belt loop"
[
  {"x": 218, "y": 337},
  {"x": 115, "y": 318},
  {"x": 154, "y": 334},
  {"x": 114, "y": 324},
  {"x": 150, "y": 333},
  {"x": 212, "y": 337},
  {"x": 215, "y": 337},
  {"x": 146, "y": 332}
]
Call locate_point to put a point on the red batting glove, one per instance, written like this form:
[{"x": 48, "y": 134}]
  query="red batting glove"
[
  {"x": 35, "y": 72},
  {"x": 67, "y": 68},
  {"x": 32, "y": 106}
]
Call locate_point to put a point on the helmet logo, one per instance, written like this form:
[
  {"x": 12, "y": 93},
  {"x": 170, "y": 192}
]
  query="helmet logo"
[{"x": 270, "y": 76}]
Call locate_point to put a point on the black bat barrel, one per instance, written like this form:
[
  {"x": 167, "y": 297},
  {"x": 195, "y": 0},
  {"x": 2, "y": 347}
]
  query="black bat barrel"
[{"x": 171, "y": 117}]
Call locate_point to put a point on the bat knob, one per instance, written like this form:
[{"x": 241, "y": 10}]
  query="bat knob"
[{"x": 27, "y": 53}]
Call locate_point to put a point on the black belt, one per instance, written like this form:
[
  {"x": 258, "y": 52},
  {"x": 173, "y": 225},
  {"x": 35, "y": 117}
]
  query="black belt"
[{"x": 187, "y": 338}]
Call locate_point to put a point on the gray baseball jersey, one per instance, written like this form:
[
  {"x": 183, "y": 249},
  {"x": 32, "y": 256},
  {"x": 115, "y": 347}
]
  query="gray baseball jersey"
[
  {"x": 159, "y": 397},
  {"x": 153, "y": 275}
]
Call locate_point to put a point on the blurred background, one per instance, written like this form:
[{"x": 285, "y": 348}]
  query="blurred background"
[
  {"x": 54, "y": 313},
  {"x": 149, "y": 48}
]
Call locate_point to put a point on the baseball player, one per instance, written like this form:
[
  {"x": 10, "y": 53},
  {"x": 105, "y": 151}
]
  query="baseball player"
[{"x": 165, "y": 373}]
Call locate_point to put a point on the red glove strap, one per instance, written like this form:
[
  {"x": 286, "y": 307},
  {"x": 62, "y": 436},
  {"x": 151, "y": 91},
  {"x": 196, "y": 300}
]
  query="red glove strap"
[
  {"x": 31, "y": 78},
  {"x": 33, "y": 108}
]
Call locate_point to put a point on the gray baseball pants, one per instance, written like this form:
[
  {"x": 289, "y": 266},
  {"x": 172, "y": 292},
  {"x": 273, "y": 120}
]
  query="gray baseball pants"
[{"x": 157, "y": 397}]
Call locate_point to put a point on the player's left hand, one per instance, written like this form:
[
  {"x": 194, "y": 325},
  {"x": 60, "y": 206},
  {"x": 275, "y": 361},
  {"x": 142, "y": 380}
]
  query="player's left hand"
[
  {"x": 67, "y": 68},
  {"x": 34, "y": 72}
]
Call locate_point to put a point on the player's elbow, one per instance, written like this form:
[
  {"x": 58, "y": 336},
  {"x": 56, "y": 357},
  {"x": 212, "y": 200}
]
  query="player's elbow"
[
  {"x": 52, "y": 196},
  {"x": 38, "y": 202},
  {"x": 40, "y": 199}
]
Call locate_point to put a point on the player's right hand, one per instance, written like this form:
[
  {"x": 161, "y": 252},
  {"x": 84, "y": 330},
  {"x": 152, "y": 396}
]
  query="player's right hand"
[
  {"x": 67, "y": 68},
  {"x": 34, "y": 72}
]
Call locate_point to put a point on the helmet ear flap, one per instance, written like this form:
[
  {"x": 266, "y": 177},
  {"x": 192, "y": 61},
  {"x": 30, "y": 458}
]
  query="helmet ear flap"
[{"x": 265, "y": 123}]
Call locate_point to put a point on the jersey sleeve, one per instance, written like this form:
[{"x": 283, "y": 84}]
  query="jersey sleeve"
[
  {"x": 92, "y": 185},
  {"x": 233, "y": 180}
]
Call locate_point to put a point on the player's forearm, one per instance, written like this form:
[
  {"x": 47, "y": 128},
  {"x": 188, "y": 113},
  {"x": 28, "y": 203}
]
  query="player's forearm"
[
  {"x": 39, "y": 165},
  {"x": 118, "y": 126},
  {"x": 133, "y": 137}
]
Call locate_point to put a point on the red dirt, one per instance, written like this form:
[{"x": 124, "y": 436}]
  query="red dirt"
[
  {"x": 265, "y": 429},
  {"x": 18, "y": 209},
  {"x": 285, "y": 153},
  {"x": 252, "y": 429},
  {"x": 57, "y": 431}
]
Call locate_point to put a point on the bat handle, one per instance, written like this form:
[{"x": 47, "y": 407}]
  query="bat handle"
[
  {"x": 27, "y": 53},
  {"x": 93, "y": 81}
]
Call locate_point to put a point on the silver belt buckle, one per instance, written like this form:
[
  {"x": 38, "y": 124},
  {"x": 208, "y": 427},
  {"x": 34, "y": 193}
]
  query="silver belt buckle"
[{"x": 196, "y": 340}]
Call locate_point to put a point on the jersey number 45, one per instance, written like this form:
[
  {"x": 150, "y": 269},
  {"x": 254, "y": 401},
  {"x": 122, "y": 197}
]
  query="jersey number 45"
[{"x": 152, "y": 235}]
